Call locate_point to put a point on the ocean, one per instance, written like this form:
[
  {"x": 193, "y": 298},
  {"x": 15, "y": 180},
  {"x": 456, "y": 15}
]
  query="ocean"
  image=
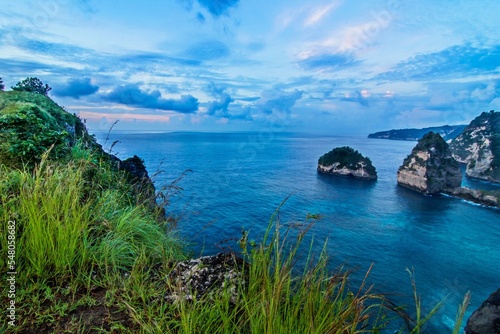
[{"x": 236, "y": 181}]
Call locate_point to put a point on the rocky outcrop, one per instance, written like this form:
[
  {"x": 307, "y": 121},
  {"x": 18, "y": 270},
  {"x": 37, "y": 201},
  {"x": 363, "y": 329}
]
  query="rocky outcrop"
[
  {"x": 483, "y": 197},
  {"x": 479, "y": 147},
  {"x": 430, "y": 168},
  {"x": 193, "y": 279},
  {"x": 486, "y": 319},
  {"x": 346, "y": 161}
]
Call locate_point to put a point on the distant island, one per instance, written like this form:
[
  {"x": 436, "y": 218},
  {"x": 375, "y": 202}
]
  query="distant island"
[
  {"x": 447, "y": 132},
  {"x": 345, "y": 161}
]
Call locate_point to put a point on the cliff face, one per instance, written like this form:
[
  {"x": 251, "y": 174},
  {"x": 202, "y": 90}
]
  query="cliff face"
[
  {"x": 430, "y": 168},
  {"x": 479, "y": 147},
  {"x": 346, "y": 161}
]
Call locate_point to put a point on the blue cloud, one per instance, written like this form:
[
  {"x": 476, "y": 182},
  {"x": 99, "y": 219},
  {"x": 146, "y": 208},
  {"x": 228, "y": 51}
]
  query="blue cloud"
[
  {"x": 76, "y": 88},
  {"x": 358, "y": 98},
  {"x": 328, "y": 61},
  {"x": 208, "y": 50},
  {"x": 218, "y": 7},
  {"x": 276, "y": 100},
  {"x": 132, "y": 95},
  {"x": 200, "y": 17},
  {"x": 455, "y": 61},
  {"x": 219, "y": 107},
  {"x": 52, "y": 49},
  {"x": 152, "y": 58}
]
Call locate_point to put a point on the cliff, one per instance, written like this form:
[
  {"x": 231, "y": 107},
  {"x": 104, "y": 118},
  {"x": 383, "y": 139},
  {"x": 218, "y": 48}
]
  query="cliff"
[
  {"x": 479, "y": 147},
  {"x": 448, "y": 132},
  {"x": 32, "y": 125},
  {"x": 430, "y": 168},
  {"x": 346, "y": 161}
]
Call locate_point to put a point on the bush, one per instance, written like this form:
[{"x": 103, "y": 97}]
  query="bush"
[
  {"x": 26, "y": 135},
  {"x": 34, "y": 85}
]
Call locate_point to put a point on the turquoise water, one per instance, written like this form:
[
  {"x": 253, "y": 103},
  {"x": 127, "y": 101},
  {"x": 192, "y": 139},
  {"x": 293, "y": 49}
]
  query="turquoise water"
[{"x": 238, "y": 180}]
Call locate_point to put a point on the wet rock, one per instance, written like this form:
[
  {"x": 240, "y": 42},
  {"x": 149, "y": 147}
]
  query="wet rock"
[{"x": 486, "y": 319}]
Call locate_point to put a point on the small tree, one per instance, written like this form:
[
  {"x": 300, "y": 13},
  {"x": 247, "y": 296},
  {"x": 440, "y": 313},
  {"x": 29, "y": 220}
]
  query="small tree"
[
  {"x": 2, "y": 86},
  {"x": 34, "y": 85}
]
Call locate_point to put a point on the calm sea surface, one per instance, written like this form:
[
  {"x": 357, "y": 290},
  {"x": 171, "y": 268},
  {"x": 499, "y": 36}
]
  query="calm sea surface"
[{"x": 238, "y": 180}]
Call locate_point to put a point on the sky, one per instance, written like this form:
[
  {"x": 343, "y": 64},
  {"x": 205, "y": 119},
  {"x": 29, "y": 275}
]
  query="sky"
[{"x": 335, "y": 67}]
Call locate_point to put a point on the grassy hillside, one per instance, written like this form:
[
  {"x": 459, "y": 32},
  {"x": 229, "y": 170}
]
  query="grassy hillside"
[{"x": 83, "y": 252}]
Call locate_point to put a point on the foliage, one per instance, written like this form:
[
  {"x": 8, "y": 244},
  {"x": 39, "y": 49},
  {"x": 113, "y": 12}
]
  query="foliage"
[
  {"x": 2, "y": 86},
  {"x": 26, "y": 135},
  {"x": 32, "y": 84},
  {"x": 31, "y": 123},
  {"x": 346, "y": 157},
  {"x": 434, "y": 141}
]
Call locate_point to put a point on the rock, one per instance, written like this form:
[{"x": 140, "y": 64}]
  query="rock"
[
  {"x": 430, "y": 168},
  {"x": 484, "y": 197},
  {"x": 206, "y": 275},
  {"x": 479, "y": 147},
  {"x": 346, "y": 161},
  {"x": 486, "y": 319},
  {"x": 143, "y": 185}
]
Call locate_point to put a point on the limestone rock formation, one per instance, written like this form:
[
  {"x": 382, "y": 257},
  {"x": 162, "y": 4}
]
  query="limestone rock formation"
[
  {"x": 483, "y": 197},
  {"x": 346, "y": 161},
  {"x": 430, "y": 168},
  {"x": 479, "y": 147},
  {"x": 206, "y": 275},
  {"x": 486, "y": 319}
]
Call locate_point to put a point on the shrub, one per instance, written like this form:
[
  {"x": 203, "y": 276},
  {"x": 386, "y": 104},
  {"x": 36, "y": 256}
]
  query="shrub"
[{"x": 26, "y": 135}]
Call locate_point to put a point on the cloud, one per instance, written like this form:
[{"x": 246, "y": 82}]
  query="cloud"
[
  {"x": 320, "y": 12},
  {"x": 218, "y": 7},
  {"x": 220, "y": 106},
  {"x": 76, "y": 88},
  {"x": 132, "y": 95},
  {"x": 279, "y": 101},
  {"x": 146, "y": 58},
  {"x": 200, "y": 17},
  {"x": 57, "y": 50},
  {"x": 208, "y": 50},
  {"x": 327, "y": 61},
  {"x": 453, "y": 62},
  {"x": 362, "y": 97}
]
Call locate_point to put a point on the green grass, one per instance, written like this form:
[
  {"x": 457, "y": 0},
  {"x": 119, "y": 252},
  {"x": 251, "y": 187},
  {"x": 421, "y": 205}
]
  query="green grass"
[{"x": 90, "y": 258}]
